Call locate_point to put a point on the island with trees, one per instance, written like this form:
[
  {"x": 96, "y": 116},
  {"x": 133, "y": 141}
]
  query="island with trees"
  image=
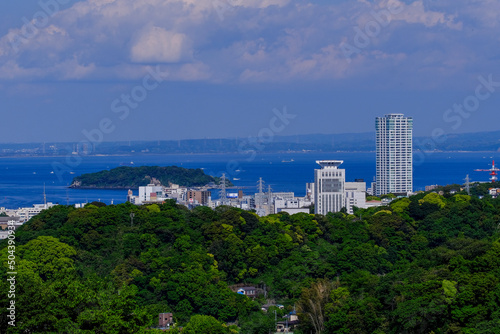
[
  {"x": 126, "y": 177},
  {"x": 429, "y": 263}
]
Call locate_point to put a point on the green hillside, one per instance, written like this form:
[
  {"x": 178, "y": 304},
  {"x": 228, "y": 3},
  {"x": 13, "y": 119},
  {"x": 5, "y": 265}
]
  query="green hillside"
[
  {"x": 134, "y": 177},
  {"x": 427, "y": 264}
]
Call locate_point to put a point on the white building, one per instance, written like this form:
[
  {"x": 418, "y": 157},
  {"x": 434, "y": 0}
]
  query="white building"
[
  {"x": 148, "y": 194},
  {"x": 372, "y": 190},
  {"x": 284, "y": 195},
  {"x": 283, "y": 204},
  {"x": 26, "y": 214},
  {"x": 394, "y": 154},
  {"x": 8, "y": 224},
  {"x": 293, "y": 211},
  {"x": 310, "y": 191},
  {"x": 355, "y": 195},
  {"x": 329, "y": 187}
]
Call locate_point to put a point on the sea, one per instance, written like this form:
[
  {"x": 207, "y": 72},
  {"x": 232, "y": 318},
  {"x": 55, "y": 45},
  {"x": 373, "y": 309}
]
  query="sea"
[{"x": 25, "y": 180}]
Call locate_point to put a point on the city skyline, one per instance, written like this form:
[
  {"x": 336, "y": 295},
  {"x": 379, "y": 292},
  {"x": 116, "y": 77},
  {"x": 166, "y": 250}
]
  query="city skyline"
[{"x": 163, "y": 70}]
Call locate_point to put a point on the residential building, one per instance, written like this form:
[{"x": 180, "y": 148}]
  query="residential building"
[
  {"x": 26, "y": 214},
  {"x": 371, "y": 191},
  {"x": 198, "y": 197},
  {"x": 394, "y": 135},
  {"x": 310, "y": 191},
  {"x": 165, "y": 320},
  {"x": 248, "y": 291},
  {"x": 355, "y": 195},
  {"x": 147, "y": 195},
  {"x": 8, "y": 223},
  {"x": 431, "y": 187},
  {"x": 329, "y": 187},
  {"x": 151, "y": 193},
  {"x": 494, "y": 192}
]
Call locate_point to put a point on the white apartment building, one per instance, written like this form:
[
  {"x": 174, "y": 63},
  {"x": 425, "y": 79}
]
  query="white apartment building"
[
  {"x": 355, "y": 195},
  {"x": 283, "y": 204},
  {"x": 394, "y": 154},
  {"x": 329, "y": 187},
  {"x": 147, "y": 194}
]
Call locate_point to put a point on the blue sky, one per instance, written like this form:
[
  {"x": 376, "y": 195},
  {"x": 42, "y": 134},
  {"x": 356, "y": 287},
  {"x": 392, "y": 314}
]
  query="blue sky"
[{"x": 222, "y": 66}]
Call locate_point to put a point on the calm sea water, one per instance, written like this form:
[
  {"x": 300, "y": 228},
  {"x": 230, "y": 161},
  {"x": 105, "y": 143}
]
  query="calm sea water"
[{"x": 22, "y": 180}]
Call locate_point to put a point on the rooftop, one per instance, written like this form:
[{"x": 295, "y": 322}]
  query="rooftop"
[{"x": 329, "y": 163}]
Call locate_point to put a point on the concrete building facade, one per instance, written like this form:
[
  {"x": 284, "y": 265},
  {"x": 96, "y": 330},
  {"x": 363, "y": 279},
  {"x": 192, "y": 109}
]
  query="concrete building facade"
[
  {"x": 198, "y": 196},
  {"x": 329, "y": 187},
  {"x": 355, "y": 195}
]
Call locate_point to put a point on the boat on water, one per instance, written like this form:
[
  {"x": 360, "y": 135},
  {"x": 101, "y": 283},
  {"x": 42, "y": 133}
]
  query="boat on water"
[
  {"x": 291, "y": 160},
  {"x": 131, "y": 163}
]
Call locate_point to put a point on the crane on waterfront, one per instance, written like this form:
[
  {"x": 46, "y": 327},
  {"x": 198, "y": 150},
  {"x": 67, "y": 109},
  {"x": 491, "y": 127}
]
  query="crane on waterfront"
[{"x": 493, "y": 172}]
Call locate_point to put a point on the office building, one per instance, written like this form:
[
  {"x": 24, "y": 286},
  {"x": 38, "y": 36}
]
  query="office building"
[
  {"x": 394, "y": 154},
  {"x": 329, "y": 187}
]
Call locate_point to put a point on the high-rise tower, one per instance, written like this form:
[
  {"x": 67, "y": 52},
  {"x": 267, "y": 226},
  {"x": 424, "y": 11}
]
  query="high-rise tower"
[{"x": 394, "y": 154}]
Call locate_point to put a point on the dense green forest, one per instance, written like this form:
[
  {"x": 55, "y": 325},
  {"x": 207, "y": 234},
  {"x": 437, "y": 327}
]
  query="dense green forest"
[
  {"x": 424, "y": 264},
  {"x": 134, "y": 177}
]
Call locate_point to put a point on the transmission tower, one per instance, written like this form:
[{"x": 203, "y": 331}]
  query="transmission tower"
[
  {"x": 259, "y": 197},
  {"x": 260, "y": 185},
  {"x": 222, "y": 193}
]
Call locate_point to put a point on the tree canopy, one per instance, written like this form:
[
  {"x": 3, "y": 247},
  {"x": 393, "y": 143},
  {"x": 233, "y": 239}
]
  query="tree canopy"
[
  {"x": 134, "y": 177},
  {"x": 423, "y": 264}
]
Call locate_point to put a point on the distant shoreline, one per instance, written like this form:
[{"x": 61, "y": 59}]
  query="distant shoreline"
[{"x": 220, "y": 153}]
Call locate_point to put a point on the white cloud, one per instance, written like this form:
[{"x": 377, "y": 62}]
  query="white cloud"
[
  {"x": 157, "y": 45},
  {"x": 416, "y": 13},
  {"x": 261, "y": 40}
]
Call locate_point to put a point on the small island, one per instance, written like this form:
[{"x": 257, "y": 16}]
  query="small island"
[{"x": 135, "y": 177}]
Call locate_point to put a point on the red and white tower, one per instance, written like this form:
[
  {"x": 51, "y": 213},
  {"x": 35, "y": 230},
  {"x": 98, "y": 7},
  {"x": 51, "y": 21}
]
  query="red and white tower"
[{"x": 493, "y": 172}]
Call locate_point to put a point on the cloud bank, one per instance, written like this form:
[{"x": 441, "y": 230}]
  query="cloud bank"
[{"x": 234, "y": 41}]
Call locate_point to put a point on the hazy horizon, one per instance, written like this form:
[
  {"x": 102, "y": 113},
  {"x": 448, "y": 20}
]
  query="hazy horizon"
[{"x": 183, "y": 69}]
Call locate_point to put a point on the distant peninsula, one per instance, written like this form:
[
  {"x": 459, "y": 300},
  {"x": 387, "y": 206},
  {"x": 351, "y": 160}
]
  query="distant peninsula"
[{"x": 134, "y": 177}]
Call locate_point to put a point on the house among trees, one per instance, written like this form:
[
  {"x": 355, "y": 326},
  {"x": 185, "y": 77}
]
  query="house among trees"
[
  {"x": 248, "y": 291},
  {"x": 166, "y": 320},
  {"x": 287, "y": 326}
]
